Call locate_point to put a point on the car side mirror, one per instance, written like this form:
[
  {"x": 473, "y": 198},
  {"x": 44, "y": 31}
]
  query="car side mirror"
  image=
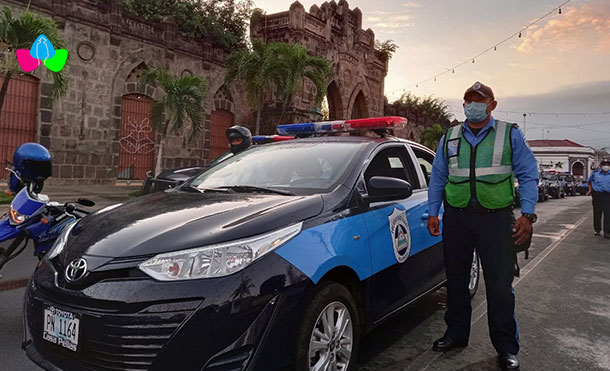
[{"x": 383, "y": 188}]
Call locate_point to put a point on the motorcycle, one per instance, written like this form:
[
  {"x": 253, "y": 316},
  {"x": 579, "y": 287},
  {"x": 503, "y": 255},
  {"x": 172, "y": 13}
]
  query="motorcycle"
[{"x": 31, "y": 216}]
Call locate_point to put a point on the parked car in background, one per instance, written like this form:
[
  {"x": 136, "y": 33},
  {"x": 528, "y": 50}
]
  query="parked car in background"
[
  {"x": 582, "y": 188},
  {"x": 556, "y": 186},
  {"x": 570, "y": 184},
  {"x": 543, "y": 191}
]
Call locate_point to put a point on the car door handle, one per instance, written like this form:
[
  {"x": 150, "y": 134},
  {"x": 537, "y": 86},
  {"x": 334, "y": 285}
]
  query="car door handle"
[{"x": 425, "y": 216}]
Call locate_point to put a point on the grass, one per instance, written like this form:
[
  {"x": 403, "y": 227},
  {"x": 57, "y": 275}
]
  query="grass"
[
  {"x": 5, "y": 199},
  {"x": 136, "y": 193}
]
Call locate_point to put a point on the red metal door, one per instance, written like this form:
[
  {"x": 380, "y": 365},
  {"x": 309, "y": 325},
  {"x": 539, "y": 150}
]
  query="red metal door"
[
  {"x": 220, "y": 122},
  {"x": 137, "y": 143},
  {"x": 18, "y": 117}
]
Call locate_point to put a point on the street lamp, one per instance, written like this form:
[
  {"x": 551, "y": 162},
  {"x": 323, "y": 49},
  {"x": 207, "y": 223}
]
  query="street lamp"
[{"x": 524, "y": 130}]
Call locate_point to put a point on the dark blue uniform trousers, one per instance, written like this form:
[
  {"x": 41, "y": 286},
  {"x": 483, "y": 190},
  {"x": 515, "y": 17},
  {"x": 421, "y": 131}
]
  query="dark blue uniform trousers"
[{"x": 490, "y": 233}]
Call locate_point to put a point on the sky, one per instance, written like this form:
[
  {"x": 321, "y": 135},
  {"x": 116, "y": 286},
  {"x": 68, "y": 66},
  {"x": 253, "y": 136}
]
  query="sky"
[{"x": 559, "y": 65}]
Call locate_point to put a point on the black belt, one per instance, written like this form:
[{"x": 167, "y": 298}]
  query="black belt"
[{"x": 476, "y": 208}]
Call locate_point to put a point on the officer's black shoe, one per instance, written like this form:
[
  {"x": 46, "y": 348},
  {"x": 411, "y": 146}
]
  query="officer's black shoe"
[
  {"x": 596, "y": 233},
  {"x": 508, "y": 361},
  {"x": 607, "y": 235},
  {"x": 446, "y": 343}
]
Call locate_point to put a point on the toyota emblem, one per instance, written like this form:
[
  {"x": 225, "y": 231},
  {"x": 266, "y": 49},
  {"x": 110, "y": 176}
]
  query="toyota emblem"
[{"x": 76, "y": 269}]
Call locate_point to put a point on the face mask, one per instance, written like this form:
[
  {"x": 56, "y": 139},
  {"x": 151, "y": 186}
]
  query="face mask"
[
  {"x": 475, "y": 112},
  {"x": 606, "y": 168}
]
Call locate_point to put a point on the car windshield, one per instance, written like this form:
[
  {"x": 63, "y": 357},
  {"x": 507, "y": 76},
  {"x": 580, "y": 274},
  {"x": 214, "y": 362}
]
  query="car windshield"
[{"x": 300, "y": 168}]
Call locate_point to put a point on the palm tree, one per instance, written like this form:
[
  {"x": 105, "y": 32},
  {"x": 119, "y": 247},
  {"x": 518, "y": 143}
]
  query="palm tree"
[
  {"x": 296, "y": 64},
  {"x": 182, "y": 101},
  {"x": 431, "y": 136},
  {"x": 20, "y": 33},
  {"x": 257, "y": 67}
]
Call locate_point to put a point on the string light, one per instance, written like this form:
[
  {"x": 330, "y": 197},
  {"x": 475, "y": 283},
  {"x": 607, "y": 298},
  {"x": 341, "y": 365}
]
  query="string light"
[{"x": 492, "y": 48}]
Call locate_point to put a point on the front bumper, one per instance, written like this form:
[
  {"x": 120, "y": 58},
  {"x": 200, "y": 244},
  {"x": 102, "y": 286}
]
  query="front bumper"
[{"x": 231, "y": 323}]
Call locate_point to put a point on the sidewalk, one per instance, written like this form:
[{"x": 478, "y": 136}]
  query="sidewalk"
[{"x": 101, "y": 195}]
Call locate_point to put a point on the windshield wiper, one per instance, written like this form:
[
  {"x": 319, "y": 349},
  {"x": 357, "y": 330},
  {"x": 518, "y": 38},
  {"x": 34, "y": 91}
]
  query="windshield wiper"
[
  {"x": 190, "y": 188},
  {"x": 245, "y": 188}
]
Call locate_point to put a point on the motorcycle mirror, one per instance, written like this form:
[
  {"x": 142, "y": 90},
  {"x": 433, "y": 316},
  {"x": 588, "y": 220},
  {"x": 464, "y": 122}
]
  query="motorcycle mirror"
[{"x": 85, "y": 202}]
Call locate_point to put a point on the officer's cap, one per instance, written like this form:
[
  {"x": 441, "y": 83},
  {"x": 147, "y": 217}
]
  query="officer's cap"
[
  {"x": 483, "y": 90},
  {"x": 605, "y": 161}
]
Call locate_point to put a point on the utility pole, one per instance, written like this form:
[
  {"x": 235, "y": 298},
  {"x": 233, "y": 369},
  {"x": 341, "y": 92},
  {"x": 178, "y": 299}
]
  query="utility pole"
[{"x": 524, "y": 129}]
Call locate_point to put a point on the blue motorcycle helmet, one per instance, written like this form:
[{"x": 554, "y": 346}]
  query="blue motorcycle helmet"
[{"x": 32, "y": 164}]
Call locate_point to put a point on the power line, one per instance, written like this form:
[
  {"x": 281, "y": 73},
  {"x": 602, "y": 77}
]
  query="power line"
[{"x": 491, "y": 48}]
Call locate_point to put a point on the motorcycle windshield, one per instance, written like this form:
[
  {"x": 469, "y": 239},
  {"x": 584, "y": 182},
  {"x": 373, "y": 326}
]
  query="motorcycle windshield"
[{"x": 25, "y": 204}]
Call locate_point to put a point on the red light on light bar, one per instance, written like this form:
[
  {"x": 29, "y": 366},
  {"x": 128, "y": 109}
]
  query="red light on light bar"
[{"x": 377, "y": 122}]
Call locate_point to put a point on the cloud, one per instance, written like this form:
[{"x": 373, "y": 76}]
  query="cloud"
[
  {"x": 583, "y": 27},
  {"x": 411, "y": 4},
  {"x": 389, "y": 22}
]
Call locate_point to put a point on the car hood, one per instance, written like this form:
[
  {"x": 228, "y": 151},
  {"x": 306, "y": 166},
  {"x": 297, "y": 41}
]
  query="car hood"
[{"x": 172, "y": 221}]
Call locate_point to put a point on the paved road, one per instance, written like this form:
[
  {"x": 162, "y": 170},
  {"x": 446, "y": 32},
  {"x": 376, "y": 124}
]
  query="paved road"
[{"x": 563, "y": 308}]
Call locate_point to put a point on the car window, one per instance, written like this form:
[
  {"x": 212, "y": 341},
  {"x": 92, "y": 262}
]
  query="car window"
[
  {"x": 392, "y": 162},
  {"x": 425, "y": 160},
  {"x": 317, "y": 167}
]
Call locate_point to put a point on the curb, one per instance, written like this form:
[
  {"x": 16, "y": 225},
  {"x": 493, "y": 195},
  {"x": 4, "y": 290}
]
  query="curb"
[{"x": 13, "y": 284}]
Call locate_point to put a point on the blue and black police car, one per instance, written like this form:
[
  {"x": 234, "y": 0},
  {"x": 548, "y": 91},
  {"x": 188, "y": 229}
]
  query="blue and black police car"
[{"x": 280, "y": 257}]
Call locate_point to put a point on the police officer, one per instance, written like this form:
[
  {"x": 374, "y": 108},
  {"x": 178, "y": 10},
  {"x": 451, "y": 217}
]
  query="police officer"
[
  {"x": 599, "y": 188},
  {"x": 472, "y": 172},
  {"x": 239, "y": 138}
]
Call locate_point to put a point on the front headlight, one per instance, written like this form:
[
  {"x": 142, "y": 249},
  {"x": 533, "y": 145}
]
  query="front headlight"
[
  {"x": 15, "y": 216},
  {"x": 60, "y": 243},
  {"x": 216, "y": 260}
]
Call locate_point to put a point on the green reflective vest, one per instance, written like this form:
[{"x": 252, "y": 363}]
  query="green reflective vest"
[{"x": 483, "y": 172}]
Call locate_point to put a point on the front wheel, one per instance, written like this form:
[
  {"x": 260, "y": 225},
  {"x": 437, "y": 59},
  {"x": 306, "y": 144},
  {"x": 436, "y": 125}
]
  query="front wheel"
[
  {"x": 475, "y": 273},
  {"x": 329, "y": 333}
]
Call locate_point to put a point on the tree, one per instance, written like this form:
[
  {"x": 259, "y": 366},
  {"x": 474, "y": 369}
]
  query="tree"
[
  {"x": 387, "y": 48},
  {"x": 20, "y": 33},
  {"x": 423, "y": 111},
  {"x": 431, "y": 136},
  {"x": 258, "y": 68},
  {"x": 182, "y": 102},
  {"x": 225, "y": 20},
  {"x": 295, "y": 64}
]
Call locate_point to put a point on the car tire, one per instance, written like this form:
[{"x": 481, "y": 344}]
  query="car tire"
[
  {"x": 330, "y": 298},
  {"x": 475, "y": 274}
]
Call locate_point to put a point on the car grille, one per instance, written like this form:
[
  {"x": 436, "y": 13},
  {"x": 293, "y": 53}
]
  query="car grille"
[{"x": 109, "y": 341}]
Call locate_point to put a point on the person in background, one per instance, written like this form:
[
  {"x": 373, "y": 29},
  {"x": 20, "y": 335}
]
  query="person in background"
[
  {"x": 473, "y": 173},
  {"x": 599, "y": 189}
]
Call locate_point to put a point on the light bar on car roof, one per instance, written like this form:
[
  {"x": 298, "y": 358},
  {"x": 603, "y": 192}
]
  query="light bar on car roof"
[
  {"x": 271, "y": 138},
  {"x": 338, "y": 126}
]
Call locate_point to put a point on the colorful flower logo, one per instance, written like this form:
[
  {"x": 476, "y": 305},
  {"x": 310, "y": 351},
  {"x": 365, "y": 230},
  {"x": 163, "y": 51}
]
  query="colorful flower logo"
[{"x": 42, "y": 51}]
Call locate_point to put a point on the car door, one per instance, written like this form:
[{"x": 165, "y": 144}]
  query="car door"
[{"x": 397, "y": 234}]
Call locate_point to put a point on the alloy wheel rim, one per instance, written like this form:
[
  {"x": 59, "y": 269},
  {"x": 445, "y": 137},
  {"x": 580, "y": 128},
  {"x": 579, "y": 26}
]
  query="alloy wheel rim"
[
  {"x": 474, "y": 272},
  {"x": 331, "y": 341}
]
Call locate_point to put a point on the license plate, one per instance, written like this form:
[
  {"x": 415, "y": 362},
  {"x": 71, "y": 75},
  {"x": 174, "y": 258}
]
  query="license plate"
[{"x": 61, "y": 327}]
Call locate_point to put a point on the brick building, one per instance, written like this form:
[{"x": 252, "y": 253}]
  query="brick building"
[
  {"x": 100, "y": 131},
  {"x": 333, "y": 31}
]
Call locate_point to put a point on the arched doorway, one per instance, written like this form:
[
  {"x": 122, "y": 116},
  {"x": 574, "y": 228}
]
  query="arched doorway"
[
  {"x": 578, "y": 168},
  {"x": 222, "y": 119},
  {"x": 18, "y": 116},
  {"x": 335, "y": 104},
  {"x": 137, "y": 143},
  {"x": 359, "y": 109}
]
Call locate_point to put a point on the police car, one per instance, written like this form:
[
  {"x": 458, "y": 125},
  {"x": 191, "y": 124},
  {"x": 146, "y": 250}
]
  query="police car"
[{"x": 280, "y": 257}]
